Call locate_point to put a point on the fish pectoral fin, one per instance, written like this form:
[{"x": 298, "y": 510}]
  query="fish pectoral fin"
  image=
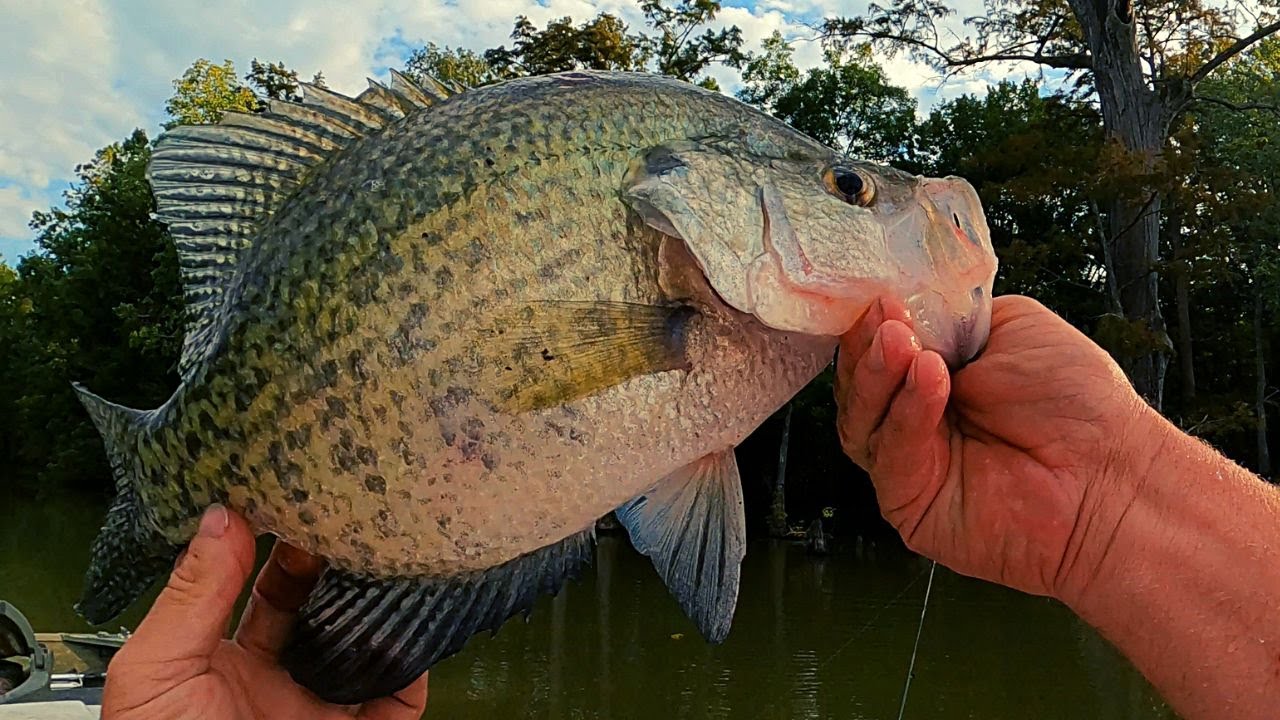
[
  {"x": 692, "y": 525},
  {"x": 546, "y": 353},
  {"x": 358, "y": 638}
]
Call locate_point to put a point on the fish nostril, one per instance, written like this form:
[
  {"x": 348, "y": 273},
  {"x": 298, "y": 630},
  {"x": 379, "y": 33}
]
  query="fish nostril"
[{"x": 956, "y": 219}]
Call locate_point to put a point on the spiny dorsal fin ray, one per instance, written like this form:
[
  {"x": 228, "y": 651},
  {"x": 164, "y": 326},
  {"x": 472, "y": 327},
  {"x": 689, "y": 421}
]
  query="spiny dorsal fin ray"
[
  {"x": 386, "y": 101},
  {"x": 216, "y": 185}
]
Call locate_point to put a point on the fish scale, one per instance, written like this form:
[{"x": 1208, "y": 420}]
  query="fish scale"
[{"x": 434, "y": 340}]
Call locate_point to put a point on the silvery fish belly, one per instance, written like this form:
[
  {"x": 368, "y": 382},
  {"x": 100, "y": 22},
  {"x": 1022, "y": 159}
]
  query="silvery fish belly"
[{"x": 434, "y": 337}]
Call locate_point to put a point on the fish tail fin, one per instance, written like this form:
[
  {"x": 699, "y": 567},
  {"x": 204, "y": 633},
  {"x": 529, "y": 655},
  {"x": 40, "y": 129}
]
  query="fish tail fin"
[{"x": 128, "y": 554}]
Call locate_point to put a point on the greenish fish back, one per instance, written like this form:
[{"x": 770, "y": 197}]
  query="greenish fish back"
[{"x": 216, "y": 186}]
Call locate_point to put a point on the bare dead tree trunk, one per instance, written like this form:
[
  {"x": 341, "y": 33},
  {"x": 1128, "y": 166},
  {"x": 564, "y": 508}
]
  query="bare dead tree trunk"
[
  {"x": 1186, "y": 360},
  {"x": 1134, "y": 117},
  {"x": 1260, "y": 393},
  {"x": 778, "y": 510}
]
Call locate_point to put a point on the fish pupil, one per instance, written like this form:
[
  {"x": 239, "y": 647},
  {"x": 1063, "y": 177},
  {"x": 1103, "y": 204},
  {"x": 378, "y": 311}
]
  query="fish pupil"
[{"x": 849, "y": 183}]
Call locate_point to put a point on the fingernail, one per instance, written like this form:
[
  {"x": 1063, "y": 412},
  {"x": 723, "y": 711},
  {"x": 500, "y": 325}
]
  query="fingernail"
[
  {"x": 215, "y": 522},
  {"x": 911, "y": 374},
  {"x": 875, "y": 356}
]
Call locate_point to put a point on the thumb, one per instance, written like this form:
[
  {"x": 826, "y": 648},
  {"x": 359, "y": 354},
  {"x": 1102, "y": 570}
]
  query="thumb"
[{"x": 191, "y": 615}]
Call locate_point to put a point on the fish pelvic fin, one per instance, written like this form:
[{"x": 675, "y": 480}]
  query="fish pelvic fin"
[
  {"x": 358, "y": 638},
  {"x": 128, "y": 554},
  {"x": 217, "y": 185},
  {"x": 693, "y": 527}
]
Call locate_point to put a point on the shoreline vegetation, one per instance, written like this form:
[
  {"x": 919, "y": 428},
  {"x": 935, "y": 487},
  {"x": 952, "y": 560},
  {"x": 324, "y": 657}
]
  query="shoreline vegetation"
[{"x": 1067, "y": 195}]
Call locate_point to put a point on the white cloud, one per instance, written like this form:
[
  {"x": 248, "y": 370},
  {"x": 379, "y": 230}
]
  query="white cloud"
[
  {"x": 16, "y": 206},
  {"x": 83, "y": 73}
]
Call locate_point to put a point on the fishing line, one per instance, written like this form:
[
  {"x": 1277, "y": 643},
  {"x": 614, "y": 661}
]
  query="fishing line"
[
  {"x": 872, "y": 621},
  {"x": 911, "y": 669},
  {"x": 863, "y": 629}
]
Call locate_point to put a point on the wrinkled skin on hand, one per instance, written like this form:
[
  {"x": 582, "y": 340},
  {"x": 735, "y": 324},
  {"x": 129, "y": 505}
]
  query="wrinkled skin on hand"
[
  {"x": 178, "y": 664},
  {"x": 996, "y": 472}
]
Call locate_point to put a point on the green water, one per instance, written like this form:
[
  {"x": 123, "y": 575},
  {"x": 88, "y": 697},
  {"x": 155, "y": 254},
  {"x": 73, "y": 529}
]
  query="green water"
[{"x": 812, "y": 638}]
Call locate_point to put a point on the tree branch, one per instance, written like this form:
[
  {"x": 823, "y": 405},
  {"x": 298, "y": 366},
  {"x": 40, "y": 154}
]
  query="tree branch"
[
  {"x": 1236, "y": 48},
  {"x": 1078, "y": 61},
  {"x": 1074, "y": 61},
  {"x": 1233, "y": 106}
]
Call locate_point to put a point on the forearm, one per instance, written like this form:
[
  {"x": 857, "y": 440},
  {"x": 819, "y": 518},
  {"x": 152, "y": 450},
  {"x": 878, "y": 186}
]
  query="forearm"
[{"x": 1187, "y": 584}]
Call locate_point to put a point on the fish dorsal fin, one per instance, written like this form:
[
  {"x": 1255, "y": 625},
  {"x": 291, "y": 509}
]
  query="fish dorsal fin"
[{"x": 217, "y": 185}]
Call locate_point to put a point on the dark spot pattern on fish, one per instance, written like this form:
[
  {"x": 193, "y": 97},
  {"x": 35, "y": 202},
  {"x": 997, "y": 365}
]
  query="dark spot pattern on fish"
[
  {"x": 298, "y": 438},
  {"x": 375, "y": 484},
  {"x": 329, "y": 373}
]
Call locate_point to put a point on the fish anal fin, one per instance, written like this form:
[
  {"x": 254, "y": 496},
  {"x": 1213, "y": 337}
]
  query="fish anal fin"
[
  {"x": 547, "y": 353},
  {"x": 693, "y": 527},
  {"x": 358, "y": 638}
]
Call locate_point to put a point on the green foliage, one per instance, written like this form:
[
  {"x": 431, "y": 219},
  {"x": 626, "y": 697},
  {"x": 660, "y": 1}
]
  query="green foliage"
[
  {"x": 677, "y": 42},
  {"x": 277, "y": 82},
  {"x": 602, "y": 43},
  {"x": 848, "y": 103},
  {"x": 99, "y": 303},
  {"x": 677, "y": 48},
  {"x": 458, "y": 67},
  {"x": 204, "y": 92},
  {"x": 1033, "y": 160},
  {"x": 1227, "y": 187}
]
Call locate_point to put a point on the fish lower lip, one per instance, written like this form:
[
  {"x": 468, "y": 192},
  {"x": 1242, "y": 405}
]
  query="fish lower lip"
[{"x": 969, "y": 348}]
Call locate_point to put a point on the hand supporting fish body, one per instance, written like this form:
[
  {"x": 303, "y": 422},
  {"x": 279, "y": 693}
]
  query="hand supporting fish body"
[{"x": 434, "y": 339}]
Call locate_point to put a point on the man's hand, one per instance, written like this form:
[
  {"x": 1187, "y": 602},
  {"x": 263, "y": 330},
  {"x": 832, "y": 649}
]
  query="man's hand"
[
  {"x": 177, "y": 664},
  {"x": 1007, "y": 481}
]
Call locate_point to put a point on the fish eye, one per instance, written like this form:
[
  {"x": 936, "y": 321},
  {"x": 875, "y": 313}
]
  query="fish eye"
[{"x": 849, "y": 185}]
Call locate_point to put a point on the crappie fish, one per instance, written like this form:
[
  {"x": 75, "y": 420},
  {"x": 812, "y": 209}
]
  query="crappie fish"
[{"x": 433, "y": 339}]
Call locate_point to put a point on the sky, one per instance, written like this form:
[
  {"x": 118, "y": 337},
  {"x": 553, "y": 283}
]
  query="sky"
[{"x": 76, "y": 75}]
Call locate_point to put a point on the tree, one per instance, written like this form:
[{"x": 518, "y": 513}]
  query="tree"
[
  {"x": 679, "y": 51},
  {"x": 204, "y": 92},
  {"x": 603, "y": 43},
  {"x": 848, "y": 103},
  {"x": 275, "y": 81},
  {"x": 459, "y": 67},
  {"x": 674, "y": 47},
  {"x": 98, "y": 302},
  {"x": 1033, "y": 160},
  {"x": 1144, "y": 63},
  {"x": 1237, "y": 207}
]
